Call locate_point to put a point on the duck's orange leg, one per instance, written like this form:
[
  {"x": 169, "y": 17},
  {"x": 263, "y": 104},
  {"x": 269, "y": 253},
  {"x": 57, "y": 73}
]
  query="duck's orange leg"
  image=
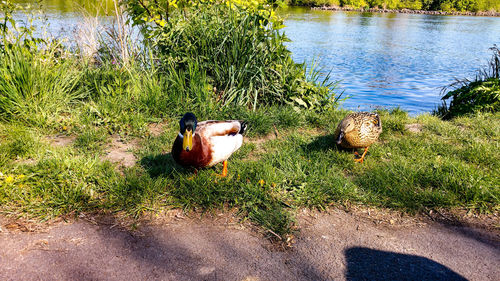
[
  {"x": 193, "y": 176},
  {"x": 360, "y": 160},
  {"x": 224, "y": 169}
]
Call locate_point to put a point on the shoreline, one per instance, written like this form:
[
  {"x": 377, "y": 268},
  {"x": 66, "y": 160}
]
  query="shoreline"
[{"x": 408, "y": 11}]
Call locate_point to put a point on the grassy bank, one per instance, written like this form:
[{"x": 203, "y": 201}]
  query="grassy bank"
[
  {"x": 425, "y": 5},
  {"x": 443, "y": 164},
  {"x": 61, "y": 111}
]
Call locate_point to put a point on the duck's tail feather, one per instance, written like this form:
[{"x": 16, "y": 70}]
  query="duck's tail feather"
[{"x": 243, "y": 127}]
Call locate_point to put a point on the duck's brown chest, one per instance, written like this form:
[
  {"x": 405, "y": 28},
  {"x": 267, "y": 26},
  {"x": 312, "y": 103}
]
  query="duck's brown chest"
[{"x": 199, "y": 157}]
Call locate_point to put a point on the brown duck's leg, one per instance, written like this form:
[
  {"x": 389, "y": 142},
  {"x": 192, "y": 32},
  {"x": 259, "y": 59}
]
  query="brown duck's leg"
[
  {"x": 224, "y": 169},
  {"x": 360, "y": 160},
  {"x": 193, "y": 176}
]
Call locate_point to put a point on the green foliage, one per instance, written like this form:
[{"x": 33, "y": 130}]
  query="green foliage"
[
  {"x": 316, "y": 3},
  {"x": 458, "y": 5},
  {"x": 448, "y": 164},
  {"x": 196, "y": 63},
  {"x": 91, "y": 140},
  {"x": 37, "y": 81},
  {"x": 483, "y": 94},
  {"x": 354, "y": 3},
  {"x": 231, "y": 56},
  {"x": 474, "y": 97},
  {"x": 34, "y": 88},
  {"x": 428, "y": 5},
  {"x": 17, "y": 143}
]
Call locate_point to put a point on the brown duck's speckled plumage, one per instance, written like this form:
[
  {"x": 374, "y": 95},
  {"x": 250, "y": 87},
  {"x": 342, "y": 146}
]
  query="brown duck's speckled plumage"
[{"x": 361, "y": 129}]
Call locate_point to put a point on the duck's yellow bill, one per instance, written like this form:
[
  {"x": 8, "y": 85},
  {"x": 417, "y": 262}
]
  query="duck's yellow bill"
[{"x": 187, "y": 141}]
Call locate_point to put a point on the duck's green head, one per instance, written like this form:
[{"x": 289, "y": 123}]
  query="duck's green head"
[{"x": 188, "y": 126}]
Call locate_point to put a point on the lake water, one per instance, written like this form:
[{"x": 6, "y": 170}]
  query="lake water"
[
  {"x": 392, "y": 59},
  {"x": 381, "y": 60}
]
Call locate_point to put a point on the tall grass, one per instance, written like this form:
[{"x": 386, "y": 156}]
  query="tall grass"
[
  {"x": 238, "y": 58},
  {"x": 36, "y": 87}
]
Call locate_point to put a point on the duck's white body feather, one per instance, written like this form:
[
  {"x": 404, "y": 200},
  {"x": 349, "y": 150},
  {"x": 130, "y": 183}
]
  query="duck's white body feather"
[{"x": 223, "y": 136}]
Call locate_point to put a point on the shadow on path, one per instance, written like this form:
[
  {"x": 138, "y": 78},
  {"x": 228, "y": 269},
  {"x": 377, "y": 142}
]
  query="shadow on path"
[{"x": 368, "y": 264}]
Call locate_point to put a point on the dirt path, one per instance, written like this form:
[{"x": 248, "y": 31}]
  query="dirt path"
[{"x": 334, "y": 246}]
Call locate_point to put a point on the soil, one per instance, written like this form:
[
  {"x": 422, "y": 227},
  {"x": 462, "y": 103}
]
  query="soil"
[
  {"x": 156, "y": 129},
  {"x": 61, "y": 140},
  {"x": 120, "y": 151},
  {"x": 334, "y": 245},
  {"x": 414, "y": 128}
]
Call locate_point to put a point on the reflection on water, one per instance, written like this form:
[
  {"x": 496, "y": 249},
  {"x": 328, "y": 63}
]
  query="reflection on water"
[
  {"x": 381, "y": 59},
  {"x": 392, "y": 59},
  {"x": 102, "y": 7},
  {"x": 62, "y": 18}
]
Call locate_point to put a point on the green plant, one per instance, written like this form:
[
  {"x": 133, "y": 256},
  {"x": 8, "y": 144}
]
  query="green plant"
[
  {"x": 35, "y": 88},
  {"x": 237, "y": 54},
  {"x": 481, "y": 94}
]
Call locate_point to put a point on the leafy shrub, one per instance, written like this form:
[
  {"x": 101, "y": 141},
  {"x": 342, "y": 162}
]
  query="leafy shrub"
[
  {"x": 474, "y": 97},
  {"x": 354, "y": 3},
  {"x": 482, "y": 94},
  {"x": 236, "y": 53},
  {"x": 316, "y": 3}
]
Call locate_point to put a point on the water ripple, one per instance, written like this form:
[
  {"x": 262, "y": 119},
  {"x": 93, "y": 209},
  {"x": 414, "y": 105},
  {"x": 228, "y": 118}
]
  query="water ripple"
[{"x": 389, "y": 60}]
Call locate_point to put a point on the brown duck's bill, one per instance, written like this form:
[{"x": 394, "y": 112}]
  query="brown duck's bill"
[
  {"x": 187, "y": 140},
  {"x": 339, "y": 138}
]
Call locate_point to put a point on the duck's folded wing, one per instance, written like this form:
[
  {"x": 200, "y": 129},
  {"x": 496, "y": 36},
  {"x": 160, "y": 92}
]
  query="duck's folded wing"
[
  {"x": 219, "y": 128},
  {"x": 223, "y": 146}
]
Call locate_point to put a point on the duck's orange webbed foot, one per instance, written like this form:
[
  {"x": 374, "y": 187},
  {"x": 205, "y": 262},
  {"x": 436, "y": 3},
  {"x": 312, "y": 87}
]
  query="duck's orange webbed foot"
[{"x": 360, "y": 160}]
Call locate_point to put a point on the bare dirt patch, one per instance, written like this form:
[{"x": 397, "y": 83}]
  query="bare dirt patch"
[
  {"x": 120, "y": 151},
  {"x": 414, "y": 128},
  {"x": 156, "y": 129},
  {"x": 333, "y": 245},
  {"x": 61, "y": 140},
  {"x": 29, "y": 161},
  {"x": 259, "y": 146}
]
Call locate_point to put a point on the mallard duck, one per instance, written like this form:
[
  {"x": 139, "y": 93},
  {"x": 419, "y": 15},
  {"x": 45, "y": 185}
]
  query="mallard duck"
[
  {"x": 207, "y": 143},
  {"x": 358, "y": 130}
]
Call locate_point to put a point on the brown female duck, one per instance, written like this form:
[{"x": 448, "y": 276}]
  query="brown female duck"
[
  {"x": 358, "y": 130},
  {"x": 207, "y": 143}
]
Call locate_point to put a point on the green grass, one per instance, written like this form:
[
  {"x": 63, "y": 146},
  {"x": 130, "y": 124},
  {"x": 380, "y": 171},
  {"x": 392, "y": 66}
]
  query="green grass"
[{"x": 449, "y": 164}]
